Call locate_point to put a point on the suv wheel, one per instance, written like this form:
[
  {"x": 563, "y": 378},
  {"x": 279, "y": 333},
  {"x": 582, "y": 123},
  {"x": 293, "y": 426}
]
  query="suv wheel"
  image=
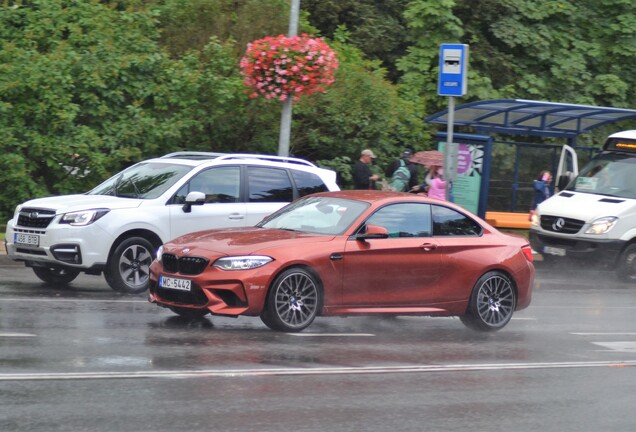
[{"x": 128, "y": 268}]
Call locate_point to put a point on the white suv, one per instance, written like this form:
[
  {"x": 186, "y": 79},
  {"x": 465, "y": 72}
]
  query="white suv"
[{"x": 117, "y": 227}]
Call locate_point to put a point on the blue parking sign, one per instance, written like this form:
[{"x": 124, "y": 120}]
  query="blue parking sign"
[{"x": 453, "y": 69}]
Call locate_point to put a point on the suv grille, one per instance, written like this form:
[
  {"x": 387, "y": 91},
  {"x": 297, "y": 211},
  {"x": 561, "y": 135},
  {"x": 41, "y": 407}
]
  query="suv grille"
[
  {"x": 35, "y": 218},
  {"x": 183, "y": 265},
  {"x": 554, "y": 224}
]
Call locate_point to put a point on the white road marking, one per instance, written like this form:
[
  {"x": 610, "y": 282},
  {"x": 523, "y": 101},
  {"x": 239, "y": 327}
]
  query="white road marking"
[
  {"x": 16, "y": 335},
  {"x": 330, "y": 334},
  {"x": 240, "y": 373},
  {"x": 620, "y": 346},
  {"x": 606, "y": 334},
  {"x": 74, "y": 300}
]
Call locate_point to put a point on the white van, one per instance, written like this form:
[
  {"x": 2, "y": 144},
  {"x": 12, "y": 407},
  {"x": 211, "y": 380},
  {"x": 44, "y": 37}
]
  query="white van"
[{"x": 593, "y": 218}]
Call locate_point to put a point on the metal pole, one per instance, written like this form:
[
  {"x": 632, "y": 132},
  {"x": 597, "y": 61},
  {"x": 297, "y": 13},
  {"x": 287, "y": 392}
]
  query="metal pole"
[
  {"x": 449, "y": 175},
  {"x": 286, "y": 115}
]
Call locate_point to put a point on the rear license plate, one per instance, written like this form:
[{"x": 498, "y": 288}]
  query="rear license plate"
[
  {"x": 175, "y": 283},
  {"x": 26, "y": 239},
  {"x": 554, "y": 251}
]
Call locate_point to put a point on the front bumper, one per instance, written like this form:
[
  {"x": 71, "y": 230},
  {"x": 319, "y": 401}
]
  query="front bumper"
[
  {"x": 81, "y": 248},
  {"x": 604, "y": 252}
]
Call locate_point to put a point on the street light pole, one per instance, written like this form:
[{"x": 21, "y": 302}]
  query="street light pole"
[{"x": 286, "y": 115}]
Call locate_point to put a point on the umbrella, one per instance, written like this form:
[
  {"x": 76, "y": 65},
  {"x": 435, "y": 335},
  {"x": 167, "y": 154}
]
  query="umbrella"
[{"x": 428, "y": 158}]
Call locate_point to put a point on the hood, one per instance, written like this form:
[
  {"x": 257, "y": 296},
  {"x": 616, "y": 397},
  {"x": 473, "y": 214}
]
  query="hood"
[
  {"x": 240, "y": 241},
  {"x": 67, "y": 203},
  {"x": 585, "y": 206}
]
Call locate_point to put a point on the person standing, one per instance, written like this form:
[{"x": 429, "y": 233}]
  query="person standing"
[
  {"x": 404, "y": 161},
  {"x": 541, "y": 186},
  {"x": 363, "y": 178}
]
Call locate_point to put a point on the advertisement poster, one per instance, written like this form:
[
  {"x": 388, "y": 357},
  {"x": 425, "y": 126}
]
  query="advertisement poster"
[{"x": 467, "y": 185}]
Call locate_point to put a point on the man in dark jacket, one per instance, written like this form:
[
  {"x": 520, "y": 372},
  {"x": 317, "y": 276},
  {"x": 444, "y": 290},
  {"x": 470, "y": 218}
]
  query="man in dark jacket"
[
  {"x": 406, "y": 154},
  {"x": 363, "y": 178}
]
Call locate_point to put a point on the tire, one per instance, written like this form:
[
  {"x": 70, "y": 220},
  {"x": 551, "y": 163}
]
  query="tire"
[
  {"x": 492, "y": 303},
  {"x": 190, "y": 313},
  {"x": 56, "y": 275},
  {"x": 128, "y": 268},
  {"x": 626, "y": 268},
  {"x": 293, "y": 301}
]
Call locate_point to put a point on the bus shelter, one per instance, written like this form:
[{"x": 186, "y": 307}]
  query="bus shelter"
[{"x": 508, "y": 167}]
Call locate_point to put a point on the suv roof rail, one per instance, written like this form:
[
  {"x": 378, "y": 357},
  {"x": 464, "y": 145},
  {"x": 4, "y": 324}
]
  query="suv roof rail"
[
  {"x": 266, "y": 158},
  {"x": 196, "y": 155},
  {"x": 192, "y": 155}
]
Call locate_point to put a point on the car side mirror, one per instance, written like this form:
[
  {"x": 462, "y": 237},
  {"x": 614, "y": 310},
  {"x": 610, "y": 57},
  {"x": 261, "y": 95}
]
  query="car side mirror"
[
  {"x": 193, "y": 198},
  {"x": 373, "y": 232}
]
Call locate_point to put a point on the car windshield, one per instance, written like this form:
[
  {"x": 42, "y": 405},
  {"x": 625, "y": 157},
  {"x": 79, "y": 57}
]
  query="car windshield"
[
  {"x": 609, "y": 174},
  {"x": 322, "y": 215},
  {"x": 143, "y": 180}
]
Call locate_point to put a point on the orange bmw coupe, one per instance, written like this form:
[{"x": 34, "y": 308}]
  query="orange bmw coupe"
[{"x": 349, "y": 253}]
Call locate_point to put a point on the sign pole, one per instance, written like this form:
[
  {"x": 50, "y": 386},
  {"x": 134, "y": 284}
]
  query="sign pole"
[
  {"x": 449, "y": 166},
  {"x": 453, "y": 72}
]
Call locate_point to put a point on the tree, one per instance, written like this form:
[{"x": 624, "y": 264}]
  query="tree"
[{"x": 79, "y": 82}]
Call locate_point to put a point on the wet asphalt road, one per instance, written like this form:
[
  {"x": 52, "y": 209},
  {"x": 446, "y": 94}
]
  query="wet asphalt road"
[{"x": 84, "y": 358}]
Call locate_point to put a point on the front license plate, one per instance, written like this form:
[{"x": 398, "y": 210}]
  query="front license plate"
[
  {"x": 175, "y": 283},
  {"x": 554, "y": 251},
  {"x": 26, "y": 239}
]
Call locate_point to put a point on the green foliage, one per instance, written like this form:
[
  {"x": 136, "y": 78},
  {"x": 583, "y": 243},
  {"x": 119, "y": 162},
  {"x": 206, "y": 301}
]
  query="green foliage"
[
  {"x": 377, "y": 28},
  {"x": 88, "y": 87},
  {"x": 76, "y": 94}
]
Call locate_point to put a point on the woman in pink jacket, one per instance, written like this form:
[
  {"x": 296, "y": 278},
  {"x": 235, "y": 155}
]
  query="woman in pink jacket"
[{"x": 435, "y": 184}]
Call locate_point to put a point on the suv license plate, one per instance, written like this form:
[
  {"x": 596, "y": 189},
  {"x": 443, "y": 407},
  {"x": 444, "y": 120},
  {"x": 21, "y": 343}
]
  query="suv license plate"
[
  {"x": 26, "y": 239},
  {"x": 554, "y": 251},
  {"x": 175, "y": 283}
]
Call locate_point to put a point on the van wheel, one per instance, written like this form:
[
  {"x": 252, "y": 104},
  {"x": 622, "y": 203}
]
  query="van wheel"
[
  {"x": 128, "y": 268},
  {"x": 55, "y": 275},
  {"x": 626, "y": 269}
]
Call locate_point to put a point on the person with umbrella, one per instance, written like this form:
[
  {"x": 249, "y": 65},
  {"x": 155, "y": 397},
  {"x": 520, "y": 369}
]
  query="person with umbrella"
[{"x": 434, "y": 183}]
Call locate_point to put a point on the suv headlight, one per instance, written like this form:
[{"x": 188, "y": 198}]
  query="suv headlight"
[
  {"x": 242, "y": 262},
  {"x": 602, "y": 225},
  {"x": 84, "y": 217}
]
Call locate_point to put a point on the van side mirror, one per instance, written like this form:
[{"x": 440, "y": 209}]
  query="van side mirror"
[
  {"x": 193, "y": 198},
  {"x": 373, "y": 232}
]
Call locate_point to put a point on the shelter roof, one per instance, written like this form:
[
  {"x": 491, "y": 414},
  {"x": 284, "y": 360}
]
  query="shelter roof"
[{"x": 527, "y": 117}]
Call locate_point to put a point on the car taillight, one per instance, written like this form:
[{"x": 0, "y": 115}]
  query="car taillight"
[{"x": 527, "y": 252}]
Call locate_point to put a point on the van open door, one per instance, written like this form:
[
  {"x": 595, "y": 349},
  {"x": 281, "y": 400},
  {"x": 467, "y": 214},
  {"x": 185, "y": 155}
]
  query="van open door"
[{"x": 568, "y": 167}]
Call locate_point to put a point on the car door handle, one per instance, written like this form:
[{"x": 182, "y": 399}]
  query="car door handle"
[
  {"x": 427, "y": 247},
  {"x": 236, "y": 216},
  {"x": 335, "y": 256}
]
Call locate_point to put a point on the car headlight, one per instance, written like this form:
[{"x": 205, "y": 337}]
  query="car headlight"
[
  {"x": 159, "y": 253},
  {"x": 602, "y": 225},
  {"x": 242, "y": 262},
  {"x": 84, "y": 217},
  {"x": 16, "y": 213}
]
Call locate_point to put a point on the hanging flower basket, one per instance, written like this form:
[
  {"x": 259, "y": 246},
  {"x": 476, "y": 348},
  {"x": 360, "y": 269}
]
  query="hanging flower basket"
[{"x": 281, "y": 67}]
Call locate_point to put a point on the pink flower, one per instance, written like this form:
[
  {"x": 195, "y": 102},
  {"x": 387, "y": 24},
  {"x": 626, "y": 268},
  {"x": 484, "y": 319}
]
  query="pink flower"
[{"x": 273, "y": 66}]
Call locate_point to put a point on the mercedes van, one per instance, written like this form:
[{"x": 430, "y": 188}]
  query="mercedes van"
[{"x": 592, "y": 219}]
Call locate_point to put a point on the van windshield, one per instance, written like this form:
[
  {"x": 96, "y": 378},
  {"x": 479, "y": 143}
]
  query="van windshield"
[{"x": 610, "y": 174}]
